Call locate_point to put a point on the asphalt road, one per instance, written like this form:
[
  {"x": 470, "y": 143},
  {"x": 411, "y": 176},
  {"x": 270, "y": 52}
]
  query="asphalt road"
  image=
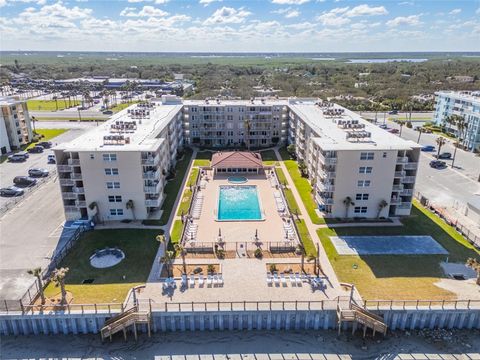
[
  {"x": 30, "y": 230},
  {"x": 85, "y": 125}
]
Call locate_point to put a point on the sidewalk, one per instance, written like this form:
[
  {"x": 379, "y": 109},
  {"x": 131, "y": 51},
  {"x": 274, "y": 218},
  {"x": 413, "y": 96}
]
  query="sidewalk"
[{"x": 312, "y": 228}]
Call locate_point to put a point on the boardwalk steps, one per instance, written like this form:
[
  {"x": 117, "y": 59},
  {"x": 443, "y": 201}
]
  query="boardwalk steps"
[
  {"x": 358, "y": 315},
  {"x": 129, "y": 318}
]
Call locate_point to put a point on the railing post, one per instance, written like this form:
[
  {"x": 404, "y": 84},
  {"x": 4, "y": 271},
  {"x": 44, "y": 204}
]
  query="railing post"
[
  {"x": 193, "y": 307},
  {"x": 270, "y": 305},
  {"x": 296, "y": 305},
  {"x": 468, "y": 304},
  {"x": 244, "y": 305},
  {"x": 166, "y": 307},
  {"x": 205, "y": 306},
  {"x": 81, "y": 306},
  {"x": 6, "y": 305},
  {"x": 218, "y": 306},
  {"x": 21, "y": 306},
  {"x": 416, "y": 306}
]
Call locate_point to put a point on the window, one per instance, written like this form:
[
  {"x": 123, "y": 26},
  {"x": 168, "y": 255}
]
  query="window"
[
  {"x": 112, "y": 171},
  {"x": 113, "y": 185},
  {"x": 366, "y": 156},
  {"x": 109, "y": 157},
  {"x": 361, "y": 197},
  {"x": 365, "y": 170},
  {"x": 115, "y": 198},
  {"x": 360, "y": 210},
  {"x": 384, "y": 154},
  {"x": 92, "y": 156},
  {"x": 116, "y": 212},
  {"x": 363, "y": 183}
]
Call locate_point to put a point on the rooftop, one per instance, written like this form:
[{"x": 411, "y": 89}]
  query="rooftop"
[
  {"x": 221, "y": 102},
  {"x": 237, "y": 159},
  {"x": 133, "y": 129},
  {"x": 472, "y": 96},
  {"x": 341, "y": 129},
  {"x": 10, "y": 100}
]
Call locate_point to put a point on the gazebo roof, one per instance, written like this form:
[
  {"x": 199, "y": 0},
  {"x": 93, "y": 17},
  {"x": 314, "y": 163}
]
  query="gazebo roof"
[{"x": 237, "y": 159}]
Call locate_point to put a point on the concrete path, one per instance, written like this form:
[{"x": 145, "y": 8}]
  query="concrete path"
[
  {"x": 156, "y": 266},
  {"x": 312, "y": 228}
]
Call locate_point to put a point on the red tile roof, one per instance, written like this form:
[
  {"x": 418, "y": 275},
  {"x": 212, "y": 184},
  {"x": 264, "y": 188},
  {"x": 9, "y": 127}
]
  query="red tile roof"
[{"x": 237, "y": 159}]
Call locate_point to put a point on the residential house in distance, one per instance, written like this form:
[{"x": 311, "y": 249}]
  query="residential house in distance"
[
  {"x": 15, "y": 124},
  {"x": 465, "y": 104}
]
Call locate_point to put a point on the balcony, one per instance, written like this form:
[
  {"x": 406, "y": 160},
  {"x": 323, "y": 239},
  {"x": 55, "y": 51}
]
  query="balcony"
[
  {"x": 69, "y": 195},
  {"x": 152, "y": 189},
  {"x": 76, "y": 176},
  {"x": 79, "y": 190},
  {"x": 74, "y": 162},
  {"x": 408, "y": 179},
  {"x": 71, "y": 209},
  {"x": 396, "y": 201},
  {"x": 404, "y": 205},
  {"x": 67, "y": 182},
  {"x": 81, "y": 203},
  {"x": 323, "y": 200},
  {"x": 406, "y": 192},
  {"x": 325, "y": 187},
  {"x": 64, "y": 168},
  {"x": 152, "y": 175},
  {"x": 399, "y": 174},
  {"x": 402, "y": 160},
  {"x": 397, "y": 187},
  {"x": 411, "y": 166},
  {"x": 152, "y": 203},
  {"x": 151, "y": 160}
]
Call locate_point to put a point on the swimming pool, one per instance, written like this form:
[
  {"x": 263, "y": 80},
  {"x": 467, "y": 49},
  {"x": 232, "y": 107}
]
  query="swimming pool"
[
  {"x": 238, "y": 203},
  {"x": 237, "y": 179}
]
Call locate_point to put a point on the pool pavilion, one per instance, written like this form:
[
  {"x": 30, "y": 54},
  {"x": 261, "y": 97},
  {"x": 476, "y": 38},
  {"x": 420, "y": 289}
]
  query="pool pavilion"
[{"x": 240, "y": 162}]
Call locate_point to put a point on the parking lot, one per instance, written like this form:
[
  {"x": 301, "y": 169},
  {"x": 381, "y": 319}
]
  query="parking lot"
[{"x": 30, "y": 230}]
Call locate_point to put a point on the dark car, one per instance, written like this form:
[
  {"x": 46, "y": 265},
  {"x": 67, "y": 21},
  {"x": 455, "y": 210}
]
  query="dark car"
[
  {"x": 428, "y": 148},
  {"x": 37, "y": 172},
  {"x": 394, "y": 131},
  {"x": 107, "y": 112},
  {"x": 36, "y": 149},
  {"x": 24, "y": 181},
  {"x": 437, "y": 164},
  {"x": 16, "y": 158},
  {"x": 383, "y": 126},
  {"x": 45, "y": 144},
  {"x": 51, "y": 159},
  {"x": 393, "y": 112},
  {"x": 11, "y": 191},
  {"x": 445, "y": 155}
]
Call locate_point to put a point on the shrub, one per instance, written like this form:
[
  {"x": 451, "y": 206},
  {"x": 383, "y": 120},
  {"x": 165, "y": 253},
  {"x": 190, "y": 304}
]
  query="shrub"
[
  {"x": 210, "y": 268},
  {"x": 220, "y": 254},
  {"x": 273, "y": 268},
  {"x": 258, "y": 253}
]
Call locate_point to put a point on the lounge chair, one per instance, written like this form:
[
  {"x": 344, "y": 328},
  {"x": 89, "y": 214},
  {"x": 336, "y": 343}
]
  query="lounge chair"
[
  {"x": 276, "y": 279},
  {"x": 284, "y": 281},
  {"x": 209, "y": 280},
  {"x": 292, "y": 280},
  {"x": 184, "y": 281},
  {"x": 269, "y": 279},
  {"x": 200, "y": 280},
  {"x": 297, "y": 279},
  {"x": 191, "y": 281},
  {"x": 220, "y": 280}
]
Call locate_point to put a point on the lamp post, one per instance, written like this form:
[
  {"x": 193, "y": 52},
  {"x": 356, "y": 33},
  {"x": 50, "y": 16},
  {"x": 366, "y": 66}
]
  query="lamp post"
[{"x": 79, "y": 116}]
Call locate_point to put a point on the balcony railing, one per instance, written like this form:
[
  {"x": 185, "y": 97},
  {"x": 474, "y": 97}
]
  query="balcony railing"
[
  {"x": 152, "y": 189},
  {"x": 79, "y": 190},
  {"x": 395, "y": 201},
  {"x": 73, "y": 161},
  {"x": 64, "y": 168},
  {"x": 69, "y": 195},
  {"x": 67, "y": 182},
  {"x": 408, "y": 179},
  {"x": 325, "y": 201},
  {"x": 76, "y": 176},
  {"x": 402, "y": 160},
  {"x": 410, "y": 166},
  {"x": 399, "y": 174},
  {"x": 406, "y": 192},
  {"x": 151, "y": 160},
  {"x": 71, "y": 209},
  {"x": 404, "y": 205},
  {"x": 397, "y": 187},
  {"x": 81, "y": 203},
  {"x": 325, "y": 187},
  {"x": 152, "y": 203},
  {"x": 152, "y": 175}
]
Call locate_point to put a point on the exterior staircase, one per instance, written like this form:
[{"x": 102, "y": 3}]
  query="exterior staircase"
[
  {"x": 358, "y": 315},
  {"x": 123, "y": 321}
]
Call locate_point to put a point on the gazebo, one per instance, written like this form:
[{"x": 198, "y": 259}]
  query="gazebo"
[{"x": 237, "y": 162}]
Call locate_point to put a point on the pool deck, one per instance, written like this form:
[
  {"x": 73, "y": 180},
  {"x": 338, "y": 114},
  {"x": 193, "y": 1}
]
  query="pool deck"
[{"x": 269, "y": 230}]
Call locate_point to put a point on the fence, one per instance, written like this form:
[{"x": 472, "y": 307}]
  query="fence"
[
  {"x": 27, "y": 193},
  {"x": 241, "y": 247},
  {"x": 462, "y": 229},
  {"x": 192, "y": 200}
]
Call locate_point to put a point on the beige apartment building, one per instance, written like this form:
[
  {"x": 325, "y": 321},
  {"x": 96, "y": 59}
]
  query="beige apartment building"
[
  {"x": 126, "y": 160},
  {"x": 15, "y": 124}
]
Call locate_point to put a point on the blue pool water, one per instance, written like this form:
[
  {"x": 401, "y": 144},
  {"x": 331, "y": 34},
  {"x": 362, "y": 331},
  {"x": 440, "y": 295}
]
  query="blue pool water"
[
  {"x": 237, "y": 203},
  {"x": 237, "y": 179}
]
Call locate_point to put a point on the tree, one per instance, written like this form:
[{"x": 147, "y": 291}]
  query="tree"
[
  {"x": 179, "y": 249},
  {"x": 162, "y": 239},
  {"x": 58, "y": 277},
  {"x": 440, "y": 142},
  {"x": 291, "y": 149},
  {"x": 247, "y": 126},
  {"x": 130, "y": 205},
  {"x": 401, "y": 124},
  {"x": 302, "y": 250},
  {"x": 56, "y": 103},
  {"x": 94, "y": 206},
  {"x": 37, "y": 272},
  {"x": 475, "y": 265},
  {"x": 302, "y": 167},
  {"x": 167, "y": 261},
  {"x": 383, "y": 204},
  {"x": 347, "y": 202}
]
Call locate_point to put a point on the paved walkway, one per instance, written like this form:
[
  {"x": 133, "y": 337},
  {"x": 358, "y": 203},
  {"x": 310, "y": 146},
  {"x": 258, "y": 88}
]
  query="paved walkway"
[{"x": 312, "y": 228}]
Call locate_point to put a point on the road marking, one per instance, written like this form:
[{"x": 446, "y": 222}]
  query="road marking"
[{"x": 450, "y": 168}]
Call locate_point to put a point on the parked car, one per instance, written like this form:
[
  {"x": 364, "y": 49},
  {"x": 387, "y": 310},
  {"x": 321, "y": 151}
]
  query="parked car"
[
  {"x": 11, "y": 191},
  {"x": 428, "y": 148},
  {"x": 38, "y": 172},
  {"x": 394, "y": 131},
  {"x": 16, "y": 158},
  {"x": 24, "y": 181},
  {"x": 393, "y": 112},
  {"x": 36, "y": 149},
  {"x": 437, "y": 164},
  {"x": 383, "y": 126},
  {"x": 107, "y": 112},
  {"x": 444, "y": 155},
  {"x": 45, "y": 144},
  {"x": 51, "y": 159}
]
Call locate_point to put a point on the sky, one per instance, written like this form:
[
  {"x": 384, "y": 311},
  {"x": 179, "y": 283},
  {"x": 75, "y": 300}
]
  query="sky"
[{"x": 240, "y": 26}]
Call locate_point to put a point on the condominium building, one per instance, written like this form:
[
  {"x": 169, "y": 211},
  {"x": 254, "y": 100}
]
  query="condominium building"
[
  {"x": 15, "y": 125},
  {"x": 125, "y": 161},
  {"x": 466, "y": 105}
]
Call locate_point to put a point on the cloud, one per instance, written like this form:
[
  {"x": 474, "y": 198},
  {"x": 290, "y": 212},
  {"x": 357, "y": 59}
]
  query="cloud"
[
  {"x": 342, "y": 16},
  {"x": 38, "y": 2},
  {"x": 227, "y": 15},
  {"x": 292, "y": 14},
  {"x": 158, "y": 2},
  {"x": 208, "y": 2},
  {"x": 366, "y": 10},
  {"x": 455, "y": 12},
  {"x": 287, "y": 12},
  {"x": 406, "y": 3},
  {"x": 478, "y": 11},
  {"x": 289, "y": 2},
  {"x": 147, "y": 11},
  {"x": 412, "y": 20}
]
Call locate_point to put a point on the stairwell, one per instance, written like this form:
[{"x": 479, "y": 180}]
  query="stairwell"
[
  {"x": 360, "y": 316},
  {"x": 129, "y": 318}
]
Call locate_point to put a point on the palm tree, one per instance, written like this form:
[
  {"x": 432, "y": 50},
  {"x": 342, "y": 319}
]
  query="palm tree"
[
  {"x": 302, "y": 249},
  {"x": 401, "y": 124},
  {"x": 462, "y": 126},
  {"x": 56, "y": 103},
  {"x": 162, "y": 239},
  {"x": 58, "y": 277},
  {"x": 475, "y": 265},
  {"x": 167, "y": 260},
  {"x": 247, "y": 133},
  {"x": 383, "y": 204},
  {"x": 347, "y": 202},
  {"x": 440, "y": 142},
  {"x": 37, "y": 272},
  {"x": 94, "y": 206},
  {"x": 130, "y": 205},
  {"x": 456, "y": 144},
  {"x": 179, "y": 249}
]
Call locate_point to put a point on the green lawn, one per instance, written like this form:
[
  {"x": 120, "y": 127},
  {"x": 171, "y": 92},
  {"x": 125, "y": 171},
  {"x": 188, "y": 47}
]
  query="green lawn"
[
  {"x": 46, "y": 134},
  {"x": 49, "y": 105},
  {"x": 203, "y": 158},
  {"x": 268, "y": 157},
  {"x": 176, "y": 234},
  {"x": 310, "y": 248},
  {"x": 72, "y": 118},
  {"x": 303, "y": 187},
  {"x": 187, "y": 194},
  {"x": 172, "y": 189},
  {"x": 399, "y": 277},
  {"x": 291, "y": 202},
  {"x": 139, "y": 247}
]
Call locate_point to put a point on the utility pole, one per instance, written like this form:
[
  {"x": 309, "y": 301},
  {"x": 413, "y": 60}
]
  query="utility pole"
[
  {"x": 79, "y": 116},
  {"x": 419, "y": 134}
]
